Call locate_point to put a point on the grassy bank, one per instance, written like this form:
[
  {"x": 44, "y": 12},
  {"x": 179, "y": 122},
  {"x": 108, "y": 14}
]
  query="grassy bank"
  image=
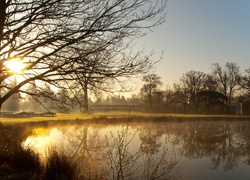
[{"x": 123, "y": 116}]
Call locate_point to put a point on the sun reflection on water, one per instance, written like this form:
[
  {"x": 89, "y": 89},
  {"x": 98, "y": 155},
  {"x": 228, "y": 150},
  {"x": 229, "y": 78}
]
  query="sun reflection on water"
[
  {"x": 43, "y": 139},
  {"x": 99, "y": 148}
]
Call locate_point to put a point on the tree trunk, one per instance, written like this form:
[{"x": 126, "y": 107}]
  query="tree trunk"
[
  {"x": 184, "y": 107},
  {"x": 2, "y": 17},
  {"x": 1, "y": 103},
  {"x": 85, "y": 98}
]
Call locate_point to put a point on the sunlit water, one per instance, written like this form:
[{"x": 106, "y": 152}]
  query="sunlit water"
[{"x": 188, "y": 150}]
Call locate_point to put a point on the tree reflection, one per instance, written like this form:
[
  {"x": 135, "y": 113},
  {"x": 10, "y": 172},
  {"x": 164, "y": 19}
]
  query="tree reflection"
[
  {"x": 85, "y": 149},
  {"x": 157, "y": 161},
  {"x": 227, "y": 150},
  {"x": 144, "y": 151},
  {"x": 213, "y": 140},
  {"x": 150, "y": 140},
  {"x": 245, "y": 141},
  {"x": 122, "y": 162},
  {"x": 116, "y": 154}
]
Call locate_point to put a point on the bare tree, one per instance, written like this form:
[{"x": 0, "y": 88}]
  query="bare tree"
[
  {"x": 152, "y": 82},
  {"x": 245, "y": 81},
  {"x": 212, "y": 100},
  {"x": 186, "y": 91},
  {"x": 43, "y": 36},
  {"x": 182, "y": 95},
  {"x": 113, "y": 66},
  {"x": 195, "y": 82},
  {"x": 227, "y": 78}
]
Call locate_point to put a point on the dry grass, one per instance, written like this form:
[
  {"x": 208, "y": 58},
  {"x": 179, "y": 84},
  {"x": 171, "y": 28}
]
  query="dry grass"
[
  {"x": 75, "y": 116},
  {"x": 37, "y": 119}
]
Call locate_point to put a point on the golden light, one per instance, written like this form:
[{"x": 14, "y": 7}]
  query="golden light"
[{"x": 15, "y": 65}]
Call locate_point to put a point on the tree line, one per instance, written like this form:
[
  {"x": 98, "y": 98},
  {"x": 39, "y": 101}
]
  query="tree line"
[
  {"x": 221, "y": 91},
  {"x": 226, "y": 90}
]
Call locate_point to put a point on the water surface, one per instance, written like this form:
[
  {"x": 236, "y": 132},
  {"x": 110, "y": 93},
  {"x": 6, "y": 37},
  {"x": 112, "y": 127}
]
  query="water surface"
[{"x": 187, "y": 150}]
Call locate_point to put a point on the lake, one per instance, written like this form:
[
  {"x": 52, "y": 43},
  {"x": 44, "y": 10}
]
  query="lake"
[{"x": 167, "y": 150}]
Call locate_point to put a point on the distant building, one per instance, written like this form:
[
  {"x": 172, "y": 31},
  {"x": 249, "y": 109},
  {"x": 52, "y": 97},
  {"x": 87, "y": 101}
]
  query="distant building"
[{"x": 115, "y": 108}]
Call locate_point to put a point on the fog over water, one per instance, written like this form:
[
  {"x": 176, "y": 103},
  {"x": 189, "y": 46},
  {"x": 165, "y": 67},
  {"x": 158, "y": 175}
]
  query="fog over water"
[{"x": 188, "y": 150}]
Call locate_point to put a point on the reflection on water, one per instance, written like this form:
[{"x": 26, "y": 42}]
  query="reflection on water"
[{"x": 187, "y": 150}]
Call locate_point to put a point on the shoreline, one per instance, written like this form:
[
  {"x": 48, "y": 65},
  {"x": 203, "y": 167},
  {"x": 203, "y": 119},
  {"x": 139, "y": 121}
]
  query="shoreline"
[{"x": 120, "y": 117}]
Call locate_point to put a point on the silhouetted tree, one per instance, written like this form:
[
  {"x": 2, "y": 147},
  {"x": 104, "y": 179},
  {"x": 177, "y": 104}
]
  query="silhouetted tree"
[
  {"x": 195, "y": 82},
  {"x": 227, "y": 78},
  {"x": 211, "y": 99},
  {"x": 169, "y": 98},
  {"x": 182, "y": 95},
  {"x": 13, "y": 103},
  {"x": 152, "y": 82},
  {"x": 158, "y": 100},
  {"x": 106, "y": 71},
  {"x": 44, "y": 35},
  {"x": 211, "y": 84},
  {"x": 245, "y": 81}
]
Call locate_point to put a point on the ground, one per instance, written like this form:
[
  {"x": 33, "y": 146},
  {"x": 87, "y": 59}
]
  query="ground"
[{"x": 122, "y": 115}]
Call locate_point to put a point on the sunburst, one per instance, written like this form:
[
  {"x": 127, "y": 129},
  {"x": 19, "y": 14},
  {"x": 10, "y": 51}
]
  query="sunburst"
[{"x": 15, "y": 65}]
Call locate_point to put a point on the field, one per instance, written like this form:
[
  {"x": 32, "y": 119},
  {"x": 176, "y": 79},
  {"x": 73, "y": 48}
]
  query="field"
[{"x": 123, "y": 115}]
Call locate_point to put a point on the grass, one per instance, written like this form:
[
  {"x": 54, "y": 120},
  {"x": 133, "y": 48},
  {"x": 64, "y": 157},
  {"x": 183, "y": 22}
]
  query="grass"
[
  {"x": 59, "y": 167},
  {"x": 18, "y": 162},
  {"x": 119, "y": 115},
  {"x": 15, "y": 161},
  {"x": 73, "y": 116}
]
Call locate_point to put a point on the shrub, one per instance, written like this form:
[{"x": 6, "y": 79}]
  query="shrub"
[
  {"x": 16, "y": 162},
  {"x": 59, "y": 167},
  {"x": 26, "y": 159}
]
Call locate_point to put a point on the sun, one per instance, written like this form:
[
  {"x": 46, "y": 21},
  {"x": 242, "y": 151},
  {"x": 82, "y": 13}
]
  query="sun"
[{"x": 15, "y": 65}]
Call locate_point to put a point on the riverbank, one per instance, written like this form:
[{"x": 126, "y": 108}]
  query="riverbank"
[
  {"x": 17, "y": 162},
  {"x": 124, "y": 116}
]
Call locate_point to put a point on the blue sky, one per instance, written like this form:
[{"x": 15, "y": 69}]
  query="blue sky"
[{"x": 197, "y": 33}]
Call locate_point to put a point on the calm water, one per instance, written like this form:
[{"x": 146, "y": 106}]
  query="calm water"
[{"x": 187, "y": 150}]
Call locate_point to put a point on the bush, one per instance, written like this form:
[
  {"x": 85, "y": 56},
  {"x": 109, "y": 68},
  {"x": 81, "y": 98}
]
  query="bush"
[
  {"x": 59, "y": 167},
  {"x": 26, "y": 159},
  {"x": 16, "y": 162}
]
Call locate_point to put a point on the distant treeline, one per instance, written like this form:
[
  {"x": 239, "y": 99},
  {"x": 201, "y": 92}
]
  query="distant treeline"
[{"x": 226, "y": 90}]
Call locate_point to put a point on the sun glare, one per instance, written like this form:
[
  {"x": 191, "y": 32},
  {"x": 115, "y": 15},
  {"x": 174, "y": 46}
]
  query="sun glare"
[{"x": 14, "y": 65}]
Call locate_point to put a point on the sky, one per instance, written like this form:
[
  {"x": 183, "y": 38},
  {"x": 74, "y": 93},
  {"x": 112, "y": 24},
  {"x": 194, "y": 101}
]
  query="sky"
[{"x": 198, "y": 33}]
